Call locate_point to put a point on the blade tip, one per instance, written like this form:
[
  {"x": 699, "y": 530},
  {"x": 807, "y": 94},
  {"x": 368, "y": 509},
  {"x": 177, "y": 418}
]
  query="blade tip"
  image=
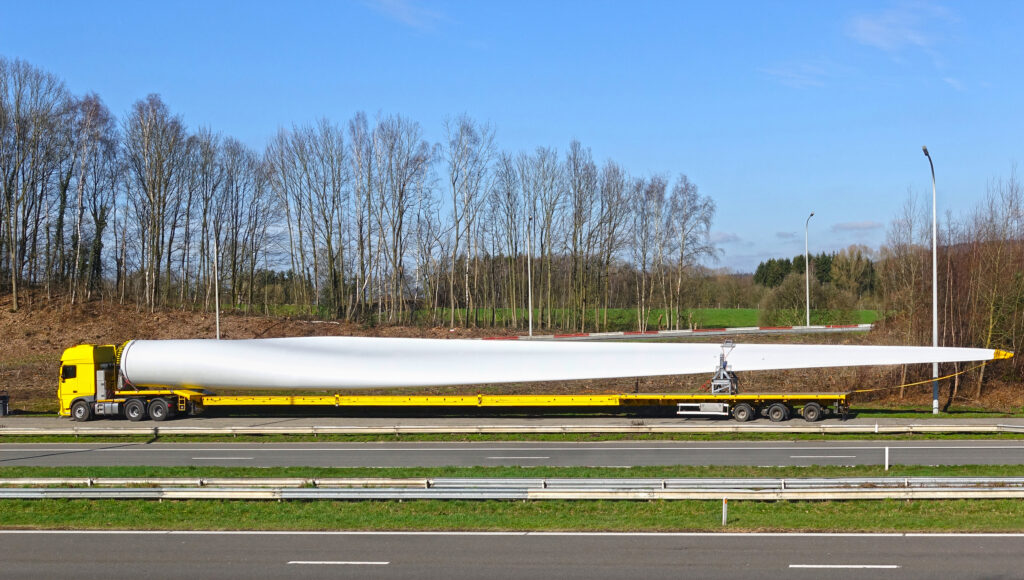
[{"x": 1002, "y": 354}]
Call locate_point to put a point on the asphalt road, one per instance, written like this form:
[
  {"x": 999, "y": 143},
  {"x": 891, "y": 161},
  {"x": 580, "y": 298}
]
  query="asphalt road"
[
  {"x": 269, "y": 420},
  {"x": 428, "y": 454},
  {"x": 448, "y": 556}
]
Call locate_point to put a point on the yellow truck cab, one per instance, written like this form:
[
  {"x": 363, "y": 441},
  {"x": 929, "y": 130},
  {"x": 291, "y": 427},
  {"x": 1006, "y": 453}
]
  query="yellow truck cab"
[{"x": 88, "y": 373}]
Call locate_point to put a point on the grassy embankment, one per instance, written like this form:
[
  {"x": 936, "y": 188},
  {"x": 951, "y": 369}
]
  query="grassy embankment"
[{"x": 596, "y": 516}]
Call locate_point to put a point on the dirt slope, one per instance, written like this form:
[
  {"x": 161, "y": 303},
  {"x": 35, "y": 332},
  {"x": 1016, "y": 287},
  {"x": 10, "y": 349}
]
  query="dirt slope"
[{"x": 32, "y": 339}]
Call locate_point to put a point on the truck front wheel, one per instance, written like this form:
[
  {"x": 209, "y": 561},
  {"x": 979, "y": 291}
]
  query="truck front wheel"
[
  {"x": 135, "y": 410},
  {"x": 81, "y": 411},
  {"x": 158, "y": 409}
]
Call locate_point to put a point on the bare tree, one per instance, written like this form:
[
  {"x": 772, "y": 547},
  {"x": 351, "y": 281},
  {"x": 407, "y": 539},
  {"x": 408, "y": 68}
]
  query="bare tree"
[
  {"x": 468, "y": 149},
  {"x": 155, "y": 149},
  {"x": 689, "y": 225},
  {"x": 581, "y": 180},
  {"x": 33, "y": 106},
  {"x": 403, "y": 158},
  {"x": 614, "y": 201},
  {"x": 506, "y": 217},
  {"x": 543, "y": 194}
]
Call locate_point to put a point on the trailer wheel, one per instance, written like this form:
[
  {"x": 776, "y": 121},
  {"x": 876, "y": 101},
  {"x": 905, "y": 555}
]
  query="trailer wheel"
[
  {"x": 812, "y": 412},
  {"x": 135, "y": 410},
  {"x": 743, "y": 412},
  {"x": 158, "y": 409},
  {"x": 81, "y": 411},
  {"x": 778, "y": 412}
]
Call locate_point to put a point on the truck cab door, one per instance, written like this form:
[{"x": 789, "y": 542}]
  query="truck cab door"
[{"x": 76, "y": 380}]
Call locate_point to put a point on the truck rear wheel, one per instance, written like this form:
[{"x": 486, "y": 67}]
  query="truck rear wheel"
[
  {"x": 135, "y": 410},
  {"x": 81, "y": 411},
  {"x": 778, "y": 412},
  {"x": 812, "y": 412},
  {"x": 158, "y": 409},
  {"x": 743, "y": 412}
]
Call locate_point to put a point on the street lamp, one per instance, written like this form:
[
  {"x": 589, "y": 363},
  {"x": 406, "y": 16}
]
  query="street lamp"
[
  {"x": 529, "y": 270},
  {"x": 935, "y": 290},
  {"x": 807, "y": 269},
  {"x": 216, "y": 283}
]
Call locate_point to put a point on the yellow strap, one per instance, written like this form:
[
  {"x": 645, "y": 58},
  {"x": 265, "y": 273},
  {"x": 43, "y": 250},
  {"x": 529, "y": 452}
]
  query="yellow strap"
[{"x": 925, "y": 382}]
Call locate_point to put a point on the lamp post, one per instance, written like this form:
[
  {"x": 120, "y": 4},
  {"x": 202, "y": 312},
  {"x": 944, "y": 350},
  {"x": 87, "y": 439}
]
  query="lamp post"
[
  {"x": 935, "y": 289},
  {"x": 807, "y": 269},
  {"x": 216, "y": 283},
  {"x": 529, "y": 270}
]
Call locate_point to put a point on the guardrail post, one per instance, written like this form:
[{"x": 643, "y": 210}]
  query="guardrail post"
[{"x": 887, "y": 459}]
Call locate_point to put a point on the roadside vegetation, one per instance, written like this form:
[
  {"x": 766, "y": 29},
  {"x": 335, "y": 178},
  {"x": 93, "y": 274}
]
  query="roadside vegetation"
[
  {"x": 540, "y": 515},
  {"x": 458, "y": 515}
]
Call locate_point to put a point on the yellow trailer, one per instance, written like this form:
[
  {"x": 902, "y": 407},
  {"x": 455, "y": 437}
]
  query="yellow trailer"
[{"x": 90, "y": 386}]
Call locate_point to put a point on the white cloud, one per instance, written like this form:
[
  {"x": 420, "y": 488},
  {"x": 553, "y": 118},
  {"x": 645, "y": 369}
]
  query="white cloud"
[
  {"x": 785, "y": 235},
  {"x": 799, "y": 75},
  {"x": 408, "y": 12},
  {"x": 725, "y": 238},
  {"x": 890, "y": 30},
  {"x": 909, "y": 24},
  {"x": 864, "y": 226},
  {"x": 956, "y": 84}
]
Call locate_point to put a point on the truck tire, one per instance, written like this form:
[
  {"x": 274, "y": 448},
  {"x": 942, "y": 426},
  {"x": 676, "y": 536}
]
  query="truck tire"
[
  {"x": 81, "y": 411},
  {"x": 743, "y": 412},
  {"x": 778, "y": 412},
  {"x": 135, "y": 410},
  {"x": 158, "y": 409},
  {"x": 812, "y": 412}
]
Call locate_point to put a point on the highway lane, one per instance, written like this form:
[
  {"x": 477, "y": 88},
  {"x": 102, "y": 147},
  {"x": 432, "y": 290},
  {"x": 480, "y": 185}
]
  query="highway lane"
[
  {"x": 468, "y": 419},
  {"x": 455, "y": 556},
  {"x": 430, "y": 454}
]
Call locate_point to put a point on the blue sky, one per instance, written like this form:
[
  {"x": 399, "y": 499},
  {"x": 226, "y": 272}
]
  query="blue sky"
[{"x": 774, "y": 108}]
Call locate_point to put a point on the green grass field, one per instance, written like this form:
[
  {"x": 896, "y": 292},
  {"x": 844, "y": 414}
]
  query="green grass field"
[
  {"x": 619, "y": 319},
  {"x": 594, "y": 516},
  {"x": 611, "y": 320}
]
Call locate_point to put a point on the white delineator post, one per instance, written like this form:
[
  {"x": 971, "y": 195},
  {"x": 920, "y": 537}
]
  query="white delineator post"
[{"x": 935, "y": 289}]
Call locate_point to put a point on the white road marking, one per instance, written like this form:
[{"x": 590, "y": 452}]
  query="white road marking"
[
  {"x": 330, "y": 563},
  {"x": 822, "y": 456},
  {"x": 523, "y": 457},
  {"x": 846, "y": 566},
  {"x": 223, "y": 458}
]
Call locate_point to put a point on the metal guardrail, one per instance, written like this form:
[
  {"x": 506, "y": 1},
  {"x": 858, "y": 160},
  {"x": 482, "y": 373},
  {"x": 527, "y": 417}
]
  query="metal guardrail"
[
  {"x": 520, "y": 489},
  {"x": 807, "y": 428}
]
